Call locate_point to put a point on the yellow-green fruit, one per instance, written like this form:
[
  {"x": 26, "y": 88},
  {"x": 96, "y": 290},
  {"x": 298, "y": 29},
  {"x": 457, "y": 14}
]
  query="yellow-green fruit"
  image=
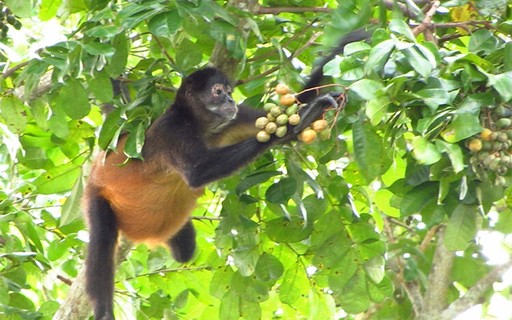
[
  {"x": 263, "y": 136},
  {"x": 268, "y": 106},
  {"x": 475, "y": 145},
  {"x": 292, "y": 109},
  {"x": 281, "y": 88},
  {"x": 261, "y": 122},
  {"x": 486, "y": 134},
  {"x": 319, "y": 125},
  {"x": 324, "y": 135},
  {"x": 281, "y": 131},
  {"x": 504, "y": 123},
  {"x": 275, "y": 111},
  {"x": 282, "y": 119},
  {"x": 294, "y": 119},
  {"x": 270, "y": 117},
  {"x": 287, "y": 99},
  {"x": 271, "y": 127}
]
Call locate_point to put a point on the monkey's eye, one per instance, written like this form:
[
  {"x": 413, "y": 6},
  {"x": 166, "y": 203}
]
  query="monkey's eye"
[{"x": 217, "y": 89}]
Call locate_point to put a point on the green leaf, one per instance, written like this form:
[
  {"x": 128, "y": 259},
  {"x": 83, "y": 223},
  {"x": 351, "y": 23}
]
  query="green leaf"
[
  {"x": 221, "y": 281},
  {"x": 58, "y": 179},
  {"x": 284, "y": 230},
  {"x": 370, "y": 155},
  {"x": 380, "y": 291},
  {"x": 97, "y": 48},
  {"x": 135, "y": 142},
  {"x": 109, "y": 128},
  {"x": 255, "y": 179},
  {"x": 245, "y": 259},
  {"x": 103, "y": 31},
  {"x": 454, "y": 153},
  {"x": 281, "y": 191},
  {"x": 502, "y": 83},
  {"x": 464, "y": 125},
  {"x": 507, "y": 57},
  {"x": 379, "y": 55},
  {"x": 418, "y": 61},
  {"x": 165, "y": 24},
  {"x": 461, "y": 228},
  {"x": 293, "y": 284},
  {"x": 48, "y": 9},
  {"x": 72, "y": 98},
  {"x": 374, "y": 269},
  {"x": 229, "y": 308},
  {"x": 101, "y": 87},
  {"x": 424, "y": 151},
  {"x": 58, "y": 124},
  {"x": 416, "y": 199},
  {"x": 13, "y": 113},
  {"x": 400, "y": 27},
  {"x": 71, "y": 208},
  {"x": 118, "y": 60},
  {"x": 343, "y": 270},
  {"x": 21, "y": 8},
  {"x": 269, "y": 268},
  {"x": 366, "y": 89},
  {"x": 354, "y": 297}
]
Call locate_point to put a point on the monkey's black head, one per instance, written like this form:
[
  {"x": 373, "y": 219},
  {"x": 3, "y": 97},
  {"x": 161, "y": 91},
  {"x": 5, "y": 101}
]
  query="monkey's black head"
[{"x": 208, "y": 93}]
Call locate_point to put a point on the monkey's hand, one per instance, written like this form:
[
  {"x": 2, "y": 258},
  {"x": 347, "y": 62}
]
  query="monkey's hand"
[{"x": 314, "y": 110}]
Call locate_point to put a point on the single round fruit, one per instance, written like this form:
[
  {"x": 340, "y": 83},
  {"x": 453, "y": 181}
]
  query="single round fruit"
[
  {"x": 325, "y": 134},
  {"x": 271, "y": 127},
  {"x": 307, "y": 136},
  {"x": 504, "y": 123},
  {"x": 319, "y": 125},
  {"x": 275, "y": 111},
  {"x": 261, "y": 122},
  {"x": 500, "y": 181},
  {"x": 282, "y": 119},
  {"x": 486, "y": 134},
  {"x": 263, "y": 136},
  {"x": 268, "y": 106},
  {"x": 475, "y": 145},
  {"x": 287, "y": 99},
  {"x": 281, "y": 88},
  {"x": 281, "y": 131},
  {"x": 294, "y": 119},
  {"x": 292, "y": 109}
]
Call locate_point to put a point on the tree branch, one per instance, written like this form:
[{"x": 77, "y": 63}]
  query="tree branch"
[
  {"x": 76, "y": 305},
  {"x": 474, "y": 293},
  {"x": 434, "y": 300}
]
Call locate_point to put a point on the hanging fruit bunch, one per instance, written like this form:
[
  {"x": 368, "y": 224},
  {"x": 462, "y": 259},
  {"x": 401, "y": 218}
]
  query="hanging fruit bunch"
[
  {"x": 7, "y": 18},
  {"x": 279, "y": 116},
  {"x": 492, "y": 148}
]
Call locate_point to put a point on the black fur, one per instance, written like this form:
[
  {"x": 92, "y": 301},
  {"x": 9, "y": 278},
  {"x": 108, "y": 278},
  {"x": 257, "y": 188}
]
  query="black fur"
[
  {"x": 183, "y": 244},
  {"x": 100, "y": 258}
]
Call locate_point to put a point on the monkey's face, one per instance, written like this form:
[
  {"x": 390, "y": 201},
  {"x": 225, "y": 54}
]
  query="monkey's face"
[{"x": 219, "y": 102}]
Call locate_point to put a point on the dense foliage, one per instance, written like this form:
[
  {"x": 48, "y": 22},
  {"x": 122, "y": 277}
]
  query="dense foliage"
[{"x": 416, "y": 171}]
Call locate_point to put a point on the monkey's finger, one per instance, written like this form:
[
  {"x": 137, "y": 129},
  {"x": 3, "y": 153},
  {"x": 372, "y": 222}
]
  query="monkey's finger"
[{"x": 314, "y": 111}]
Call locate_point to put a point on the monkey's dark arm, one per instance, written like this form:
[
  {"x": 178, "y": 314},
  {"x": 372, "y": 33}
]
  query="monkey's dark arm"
[{"x": 203, "y": 165}]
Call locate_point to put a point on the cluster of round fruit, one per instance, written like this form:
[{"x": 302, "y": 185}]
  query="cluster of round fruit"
[
  {"x": 6, "y": 19},
  {"x": 492, "y": 148},
  {"x": 286, "y": 113}
]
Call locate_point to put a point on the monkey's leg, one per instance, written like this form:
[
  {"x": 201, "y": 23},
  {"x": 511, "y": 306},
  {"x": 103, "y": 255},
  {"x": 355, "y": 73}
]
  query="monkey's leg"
[{"x": 183, "y": 244}]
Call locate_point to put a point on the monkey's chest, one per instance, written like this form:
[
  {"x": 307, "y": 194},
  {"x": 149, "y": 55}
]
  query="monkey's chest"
[{"x": 150, "y": 207}]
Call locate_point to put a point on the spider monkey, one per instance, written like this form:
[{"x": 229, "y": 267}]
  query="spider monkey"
[{"x": 203, "y": 137}]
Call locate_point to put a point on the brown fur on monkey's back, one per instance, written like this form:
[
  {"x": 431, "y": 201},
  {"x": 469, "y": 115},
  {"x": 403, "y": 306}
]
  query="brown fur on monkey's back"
[{"x": 151, "y": 203}]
